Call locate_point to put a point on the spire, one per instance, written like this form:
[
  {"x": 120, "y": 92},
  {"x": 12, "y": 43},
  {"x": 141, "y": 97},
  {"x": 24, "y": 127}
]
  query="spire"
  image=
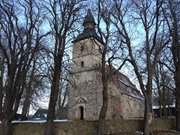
[
  {"x": 89, "y": 22},
  {"x": 89, "y": 28}
]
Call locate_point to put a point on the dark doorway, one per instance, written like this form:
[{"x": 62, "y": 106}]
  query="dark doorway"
[{"x": 81, "y": 108}]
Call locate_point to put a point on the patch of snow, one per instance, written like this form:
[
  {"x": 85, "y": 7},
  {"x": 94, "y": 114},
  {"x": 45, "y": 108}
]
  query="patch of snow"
[
  {"x": 29, "y": 121},
  {"x": 65, "y": 120},
  {"x": 139, "y": 133},
  {"x": 157, "y": 106},
  {"x": 38, "y": 121}
]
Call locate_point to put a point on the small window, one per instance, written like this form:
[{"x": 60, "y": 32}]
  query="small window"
[
  {"x": 82, "y": 49},
  {"x": 81, "y": 109},
  {"x": 82, "y": 63}
]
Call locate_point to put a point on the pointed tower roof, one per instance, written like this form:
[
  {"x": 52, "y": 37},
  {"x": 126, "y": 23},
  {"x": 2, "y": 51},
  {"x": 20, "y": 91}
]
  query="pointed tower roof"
[
  {"x": 89, "y": 19},
  {"x": 89, "y": 31}
]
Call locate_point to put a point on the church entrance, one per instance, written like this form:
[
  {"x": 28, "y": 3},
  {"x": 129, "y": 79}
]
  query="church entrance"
[{"x": 81, "y": 110}]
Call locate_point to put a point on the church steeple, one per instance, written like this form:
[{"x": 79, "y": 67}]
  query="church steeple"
[
  {"x": 89, "y": 31},
  {"x": 89, "y": 22},
  {"x": 86, "y": 62}
]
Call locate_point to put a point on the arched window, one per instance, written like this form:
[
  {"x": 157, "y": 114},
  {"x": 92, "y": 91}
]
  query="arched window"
[
  {"x": 81, "y": 110},
  {"x": 82, "y": 63}
]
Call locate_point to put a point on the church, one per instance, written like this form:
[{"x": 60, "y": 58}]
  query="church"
[{"x": 85, "y": 95}]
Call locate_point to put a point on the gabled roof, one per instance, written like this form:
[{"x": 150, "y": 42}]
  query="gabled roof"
[
  {"x": 126, "y": 87},
  {"x": 123, "y": 83}
]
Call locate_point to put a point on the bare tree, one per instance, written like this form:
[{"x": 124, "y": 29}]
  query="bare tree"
[
  {"x": 64, "y": 86},
  {"x": 19, "y": 44},
  {"x": 164, "y": 89},
  {"x": 171, "y": 14},
  {"x": 28, "y": 93},
  {"x": 36, "y": 83},
  {"x": 150, "y": 20},
  {"x": 63, "y": 15},
  {"x": 1, "y": 80},
  {"x": 105, "y": 38},
  {"x": 110, "y": 52}
]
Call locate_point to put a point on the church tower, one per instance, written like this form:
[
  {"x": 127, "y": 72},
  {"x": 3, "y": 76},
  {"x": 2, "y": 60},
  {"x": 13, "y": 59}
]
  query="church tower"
[{"x": 85, "y": 96}]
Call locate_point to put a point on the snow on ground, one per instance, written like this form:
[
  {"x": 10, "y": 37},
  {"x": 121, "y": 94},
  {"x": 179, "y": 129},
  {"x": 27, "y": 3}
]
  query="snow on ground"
[
  {"x": 29, "y": 121},
  {"x": 38, "y": 121}
]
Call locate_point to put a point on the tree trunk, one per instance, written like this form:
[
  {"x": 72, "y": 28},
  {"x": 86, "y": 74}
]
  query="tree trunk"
[
  {"x": 6, "y": 127},
  {"x": 104, "y": 79},
  {"x": 177, "y": 81},
  {"x": 147, "y": 115},
  {"x": 49, "y": 128},
  {"x": 176, "y": 59},
  {"x": 175, "y": 48},
  {"x": 1, "y": 90},
  {"x": 6, "y": 123},
  {"x": 164, "y": 103},
  {"x": 26, "y": 106},
  {"x": 160, "y": 103},
  {"x": 160, "y": 95},
  {"x": 27, "y": 101},
  {"x": 103, "y": 110},
  {"x": 28, "y": 95},
  {"x": 54, "y": 95}
]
